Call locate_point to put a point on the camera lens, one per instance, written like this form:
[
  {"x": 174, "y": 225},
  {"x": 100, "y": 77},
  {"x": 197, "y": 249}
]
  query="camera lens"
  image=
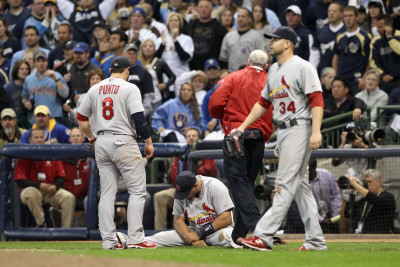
[
  {"x": 343, "y": 182},
  {"x": 350, "y": 137}
]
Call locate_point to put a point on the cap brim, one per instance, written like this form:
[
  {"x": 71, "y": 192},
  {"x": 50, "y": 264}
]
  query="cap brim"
[
  {"x": 271, "y": 36},
  {"x": 180, "y": 195}
]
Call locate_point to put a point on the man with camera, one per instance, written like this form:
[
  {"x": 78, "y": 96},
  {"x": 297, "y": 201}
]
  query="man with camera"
[{"x": 377, "y": 208}]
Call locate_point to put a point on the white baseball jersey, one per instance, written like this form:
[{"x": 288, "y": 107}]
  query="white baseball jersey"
[
  {"x": 111, "y": 102},
  {"x": 287, "y": 88},
  {"x": 213, "y": 200}
]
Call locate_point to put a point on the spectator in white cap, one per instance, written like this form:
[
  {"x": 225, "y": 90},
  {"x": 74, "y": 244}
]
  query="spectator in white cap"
[
  {"x": 44, "y": 87},
  {"x": 305, "y": 38},
  {"x": 10, "y": 132}
]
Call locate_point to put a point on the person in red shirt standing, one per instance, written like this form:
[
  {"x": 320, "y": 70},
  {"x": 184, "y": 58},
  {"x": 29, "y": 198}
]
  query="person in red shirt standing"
[
  {"x": 232, "y": 101},
  {"x": 42, "y": 181}
]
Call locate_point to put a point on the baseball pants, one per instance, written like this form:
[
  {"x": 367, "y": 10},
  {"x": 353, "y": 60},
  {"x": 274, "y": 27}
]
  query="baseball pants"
[
  {"x": 62, "y": 199},
  {"x": 292, "y": 182},
  {"x": 173, "y": 239},
  {"x": 119, "y": 155},
  {"x": 241, "y": 174}
]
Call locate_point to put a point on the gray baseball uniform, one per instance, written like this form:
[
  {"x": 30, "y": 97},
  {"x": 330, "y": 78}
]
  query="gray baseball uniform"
[
  {"x": 236, "y": 47},
  {"x": 213, "y": 200},
  {"x": 287, "y": 88},
  {"x": 111, "y": 102}
]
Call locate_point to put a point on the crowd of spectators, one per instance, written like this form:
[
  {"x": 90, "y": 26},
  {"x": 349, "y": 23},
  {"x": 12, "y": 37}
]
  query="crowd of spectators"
[{"x": 53, "y": 51}]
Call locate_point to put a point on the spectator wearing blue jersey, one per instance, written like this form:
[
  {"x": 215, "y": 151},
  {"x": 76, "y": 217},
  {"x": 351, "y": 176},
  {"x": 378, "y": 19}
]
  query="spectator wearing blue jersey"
[
  {"x": 305, "y": 39},
  {"x": 83, "y": 16},
  {"x": 15, "y": 12},
  {"x": 117, "y": 42},
  {"x": 178, "y": 115},
  {"x": 44, "y": 87},
  {"x": 10, "y": 43},
  {"x": 351, "y": 51},
  {"x": 325, "y": 37},
  {"x": 385, "y": 54},
  {"x": 54, "y": 132}
]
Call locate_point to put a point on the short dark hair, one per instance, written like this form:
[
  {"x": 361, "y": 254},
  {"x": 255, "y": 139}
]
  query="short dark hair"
[
  {"x": 117, "y": 70},
  {"x": 31, "y": 27},
  {"x": 341, "y": 79},
  {"x": 67, "y": 25},
  {"x": 386, "y": 18},
  {"x": 341, "y": 8},
  {"x": 17, "y": 65},
  {"x": 122, "y": 35},
  {"x": 351, "y": 8}
]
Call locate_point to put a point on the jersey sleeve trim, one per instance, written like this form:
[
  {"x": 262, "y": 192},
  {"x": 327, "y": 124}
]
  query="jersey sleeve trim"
[
  {"x": 265, "y": 103},
  {"x": 316, "y": 99},
  {"x": 80, "y": 117}
]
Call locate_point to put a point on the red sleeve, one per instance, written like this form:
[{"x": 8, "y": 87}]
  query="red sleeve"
[
  {"x": 207, "y": 167},
  {"x": 264, "y": 102},
  {"x": 174, "y": 170},
  {"x": 219, "y": 98},
  {"x": 316, "y": 99},
  {"x": 80, "y": 117}
]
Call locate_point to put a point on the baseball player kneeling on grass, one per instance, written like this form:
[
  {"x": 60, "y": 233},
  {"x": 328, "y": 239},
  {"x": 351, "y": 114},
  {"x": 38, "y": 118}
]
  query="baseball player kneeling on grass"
[
  {"x": 118, "y": 112},
  {"x": 206, "y": 203}
]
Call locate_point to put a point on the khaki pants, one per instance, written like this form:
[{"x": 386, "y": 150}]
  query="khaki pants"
[
  {"x": 62, "y": 199},
  {"x": 162, "y": 201}
]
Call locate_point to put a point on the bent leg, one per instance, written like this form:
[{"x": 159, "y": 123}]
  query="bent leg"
[{"x": 32, "y": 197}]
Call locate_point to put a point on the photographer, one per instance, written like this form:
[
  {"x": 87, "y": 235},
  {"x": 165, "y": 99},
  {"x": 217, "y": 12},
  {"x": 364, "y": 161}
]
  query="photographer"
[{"x": 377, "y": 208}]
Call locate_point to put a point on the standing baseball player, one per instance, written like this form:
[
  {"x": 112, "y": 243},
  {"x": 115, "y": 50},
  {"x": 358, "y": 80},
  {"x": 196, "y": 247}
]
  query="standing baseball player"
[
  {"x": 295, "y": 91},
  {"x": 117, "y": 109},
  {"x": 206, "y": 204}
]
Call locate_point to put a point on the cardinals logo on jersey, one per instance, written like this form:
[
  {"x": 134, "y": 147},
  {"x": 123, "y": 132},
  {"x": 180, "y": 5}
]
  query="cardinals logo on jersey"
[
  {"x": 207, "y": 208},
  {"x": 284, "y": 82}
]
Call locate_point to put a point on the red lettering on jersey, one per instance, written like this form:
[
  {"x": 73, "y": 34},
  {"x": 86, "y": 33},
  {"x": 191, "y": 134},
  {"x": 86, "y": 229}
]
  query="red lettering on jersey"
[
  {"x": 109, "y": 89},
  {"x": 283, "y": 94}
]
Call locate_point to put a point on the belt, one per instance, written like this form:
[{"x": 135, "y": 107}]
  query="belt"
[
  {"x": 292, "y": 122},
  {"x": 108, "y": 133}
]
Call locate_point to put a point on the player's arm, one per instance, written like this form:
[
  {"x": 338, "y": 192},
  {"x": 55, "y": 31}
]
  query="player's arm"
[
  {"x": 183, "y": 230},
  {"x": 257, "y": 111},
  {"x": 223, "y": 220},
  {"x": 85, "y": 126},
  {"x": 316, "y": 101},
  {"x": 143, "y": 130}
]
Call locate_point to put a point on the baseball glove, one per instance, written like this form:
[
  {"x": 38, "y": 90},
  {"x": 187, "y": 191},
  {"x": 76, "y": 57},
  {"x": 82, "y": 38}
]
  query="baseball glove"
[{"x": 234, "y": 143}]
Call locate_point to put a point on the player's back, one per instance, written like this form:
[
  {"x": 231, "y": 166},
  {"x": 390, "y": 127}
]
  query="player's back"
[{"x": 112, "y": 101}]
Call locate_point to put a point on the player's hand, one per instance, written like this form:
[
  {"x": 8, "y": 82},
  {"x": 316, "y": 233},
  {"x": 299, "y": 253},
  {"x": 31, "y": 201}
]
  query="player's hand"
[
  {"x": 161, "y": 86},
  {"x": 199, "y": 243},
  {"x": 315, "y": 140},
  {"x": 326, "y": 220},
  {"x": 148, "y": 150},
  {"x": 357, "y": 114},
  {"x": 191, "y": 237},
  {"x": 51, "y": 190}
]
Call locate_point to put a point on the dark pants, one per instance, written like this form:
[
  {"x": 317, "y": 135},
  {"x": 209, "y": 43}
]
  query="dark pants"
[{"x": 241, "y": 174}]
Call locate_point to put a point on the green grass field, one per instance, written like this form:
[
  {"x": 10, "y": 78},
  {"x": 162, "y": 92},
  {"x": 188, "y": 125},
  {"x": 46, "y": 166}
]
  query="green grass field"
[{"x": 338, "y": 254}]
